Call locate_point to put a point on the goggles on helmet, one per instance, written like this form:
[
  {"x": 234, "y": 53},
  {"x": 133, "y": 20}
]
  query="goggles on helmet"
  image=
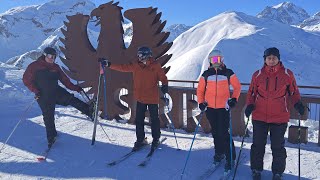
[
  {"x": 215, "y": 59},
  {"x": 142, "y": 57}
]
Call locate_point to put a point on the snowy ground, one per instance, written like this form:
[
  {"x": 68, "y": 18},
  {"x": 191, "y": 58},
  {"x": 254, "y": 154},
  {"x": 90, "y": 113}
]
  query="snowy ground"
[{"x": 73, "y": 157}]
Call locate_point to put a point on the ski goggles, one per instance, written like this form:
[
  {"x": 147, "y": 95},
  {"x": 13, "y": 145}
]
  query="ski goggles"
[
  {"x": 215, "y": 59},
  {"x": 50, "y": 56}
]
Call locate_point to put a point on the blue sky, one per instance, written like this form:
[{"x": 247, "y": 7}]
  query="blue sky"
[{"x": 189, "y": 12}]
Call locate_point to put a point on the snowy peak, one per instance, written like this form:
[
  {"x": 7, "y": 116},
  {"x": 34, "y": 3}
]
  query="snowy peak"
[
  {"x": 175, "y": 30},
  {"x": 24, "y": 28},
  {"x": 312, "y": 23},
  {"x": 285, "y": 12}
]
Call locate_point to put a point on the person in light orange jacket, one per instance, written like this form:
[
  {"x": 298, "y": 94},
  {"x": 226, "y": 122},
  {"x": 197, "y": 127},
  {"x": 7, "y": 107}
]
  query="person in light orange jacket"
[
  {"x": 146, "y": 74},
  {"x": 214, "y": 98}
]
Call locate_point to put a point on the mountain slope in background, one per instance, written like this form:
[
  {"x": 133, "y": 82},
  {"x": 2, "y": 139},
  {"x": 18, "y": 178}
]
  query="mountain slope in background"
[
  {"x": 23, "y": 29},
  {"x": 312, "y": 24},
  {"x": 286, "y": 13},
  {"x": 242, "y": 39}
]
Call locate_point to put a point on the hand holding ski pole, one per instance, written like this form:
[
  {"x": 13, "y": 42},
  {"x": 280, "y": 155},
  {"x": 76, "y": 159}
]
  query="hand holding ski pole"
[{"x": 104, "y": 62}]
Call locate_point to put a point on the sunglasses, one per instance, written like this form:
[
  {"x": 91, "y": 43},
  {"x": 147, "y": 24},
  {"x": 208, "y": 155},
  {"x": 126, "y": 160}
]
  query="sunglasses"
[
  {"x": 50, "y": 56},
  {"x": 215, "y": 59}
]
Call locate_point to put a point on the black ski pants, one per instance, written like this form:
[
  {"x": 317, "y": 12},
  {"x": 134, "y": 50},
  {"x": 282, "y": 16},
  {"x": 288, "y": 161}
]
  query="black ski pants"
[
  {"x": 155, "y": 121},
  {"x": 260, "y": 133},
  {"x": 219, "y": 121},
  {"x": 47, "y": 105}
]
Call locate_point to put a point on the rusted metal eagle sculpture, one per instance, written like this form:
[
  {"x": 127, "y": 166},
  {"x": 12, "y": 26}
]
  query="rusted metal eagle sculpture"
[{"x": 81, "y": 57}]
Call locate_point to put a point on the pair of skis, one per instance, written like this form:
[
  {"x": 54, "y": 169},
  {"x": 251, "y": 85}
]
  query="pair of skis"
[
  {"x": 144, "y": 162},
  {"x": 214, "y": 166}
]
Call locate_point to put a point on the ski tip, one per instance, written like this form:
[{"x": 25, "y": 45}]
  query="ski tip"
[
  {"x": 179, "y": 149},
  {"x": 142, "y": 165},
  {"x": 41, "y": 159},
  {"x": 111, "y": 164}
]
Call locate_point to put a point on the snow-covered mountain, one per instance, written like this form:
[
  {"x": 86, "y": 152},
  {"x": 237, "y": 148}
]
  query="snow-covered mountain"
[
  {"x": 312, "y": 24},
  {"x": 23, "y": 29},
  {"x": 242, "y": 39},
  {"x": 285, "y": 12},
  {"x": 22, "y": 61},
  {"x": 26, "y": 53},
  {"x": 175, "y": 30}
]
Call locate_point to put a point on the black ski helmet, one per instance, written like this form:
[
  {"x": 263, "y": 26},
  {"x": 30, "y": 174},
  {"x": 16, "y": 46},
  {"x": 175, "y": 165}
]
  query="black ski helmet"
[
  {"x": 50, "y": 50},
  {"x": 144, "y": 53},
  {"x": 271, "y": 51}
]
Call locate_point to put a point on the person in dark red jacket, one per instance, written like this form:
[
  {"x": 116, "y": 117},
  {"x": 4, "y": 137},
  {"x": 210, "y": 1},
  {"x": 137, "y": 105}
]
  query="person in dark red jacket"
[
  {"x": 41, "y": 77},
  {"x": 270, "y": 91},
  {"x": 147, "y": 73}
]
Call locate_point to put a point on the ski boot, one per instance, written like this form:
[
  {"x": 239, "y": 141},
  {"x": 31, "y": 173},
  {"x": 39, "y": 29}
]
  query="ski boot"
[
  {"x": 277, "y": 177},
  {"x": 256, "y": 175},
  {"x": 51, "y": 141},
  {"x": 217, "y": 158},
  {"x": 139, "y": 144},
  {"x": 155, "y": 143}
]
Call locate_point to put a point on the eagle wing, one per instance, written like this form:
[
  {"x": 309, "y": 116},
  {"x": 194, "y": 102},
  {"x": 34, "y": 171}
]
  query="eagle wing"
[
  {"x": 147, "y": 31},
  {"x": 80, "y": 55}
]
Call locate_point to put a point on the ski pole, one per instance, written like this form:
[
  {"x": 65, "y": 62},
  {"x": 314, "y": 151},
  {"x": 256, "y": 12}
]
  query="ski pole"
[
  {"x": 83, "y": 92},
  {"x": 299, "y": 142},
  {"x": 99, "y": 123},
  {"x": 172, "y": 126},
  {"x": 21, "y": 118},
  {"x": 194, "y": 136},
  {"x": 104, "y": 88},
  {"x": 245, "y": 133},
  {"x": 96, "y": 113}
]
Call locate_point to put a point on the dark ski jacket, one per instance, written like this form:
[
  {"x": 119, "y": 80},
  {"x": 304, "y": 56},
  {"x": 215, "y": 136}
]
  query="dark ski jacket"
[{"x": 42, "y": 77}]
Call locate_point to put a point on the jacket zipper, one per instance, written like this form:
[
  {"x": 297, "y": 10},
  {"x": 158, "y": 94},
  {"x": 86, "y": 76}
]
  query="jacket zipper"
[
  {"x": 275, "y": 87},
  {"x": 215, "y": 100},
  {"x": 285, "y": 103},
  {"x": 267, "y": 84}
]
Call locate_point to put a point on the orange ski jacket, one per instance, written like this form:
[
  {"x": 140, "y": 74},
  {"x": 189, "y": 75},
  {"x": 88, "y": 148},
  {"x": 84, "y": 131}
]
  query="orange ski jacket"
[
  {"x": 145, "y": 79},
  {"x": 216, "y": 91}
]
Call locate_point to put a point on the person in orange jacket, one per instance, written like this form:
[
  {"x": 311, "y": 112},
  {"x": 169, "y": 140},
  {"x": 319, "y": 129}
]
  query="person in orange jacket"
[
  {"x": 268, "y": 98},
  {"x": 147, "y": 72},
  {"x": 214, "y": 98}
]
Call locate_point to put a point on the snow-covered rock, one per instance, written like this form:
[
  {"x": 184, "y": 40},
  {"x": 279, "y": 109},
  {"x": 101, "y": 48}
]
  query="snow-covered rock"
[{"x": 286, "y": 13}]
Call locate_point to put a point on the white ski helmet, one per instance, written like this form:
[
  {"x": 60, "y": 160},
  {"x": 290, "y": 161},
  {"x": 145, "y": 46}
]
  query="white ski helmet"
[{"x": 215, "y": 58}]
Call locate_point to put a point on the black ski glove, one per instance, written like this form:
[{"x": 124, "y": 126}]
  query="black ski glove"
[
  {"x": 203, "y": 106},
  {"x": 78, "y": 89},
  {"x": 232, "y": 102},
  {"x": 300, "y": 108},
  {"x": 164, "y": 89},
  {"x": 104, "y": 62},
  {"x": 37, "y": 96},
  {"x": 249, "y": 110}
]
